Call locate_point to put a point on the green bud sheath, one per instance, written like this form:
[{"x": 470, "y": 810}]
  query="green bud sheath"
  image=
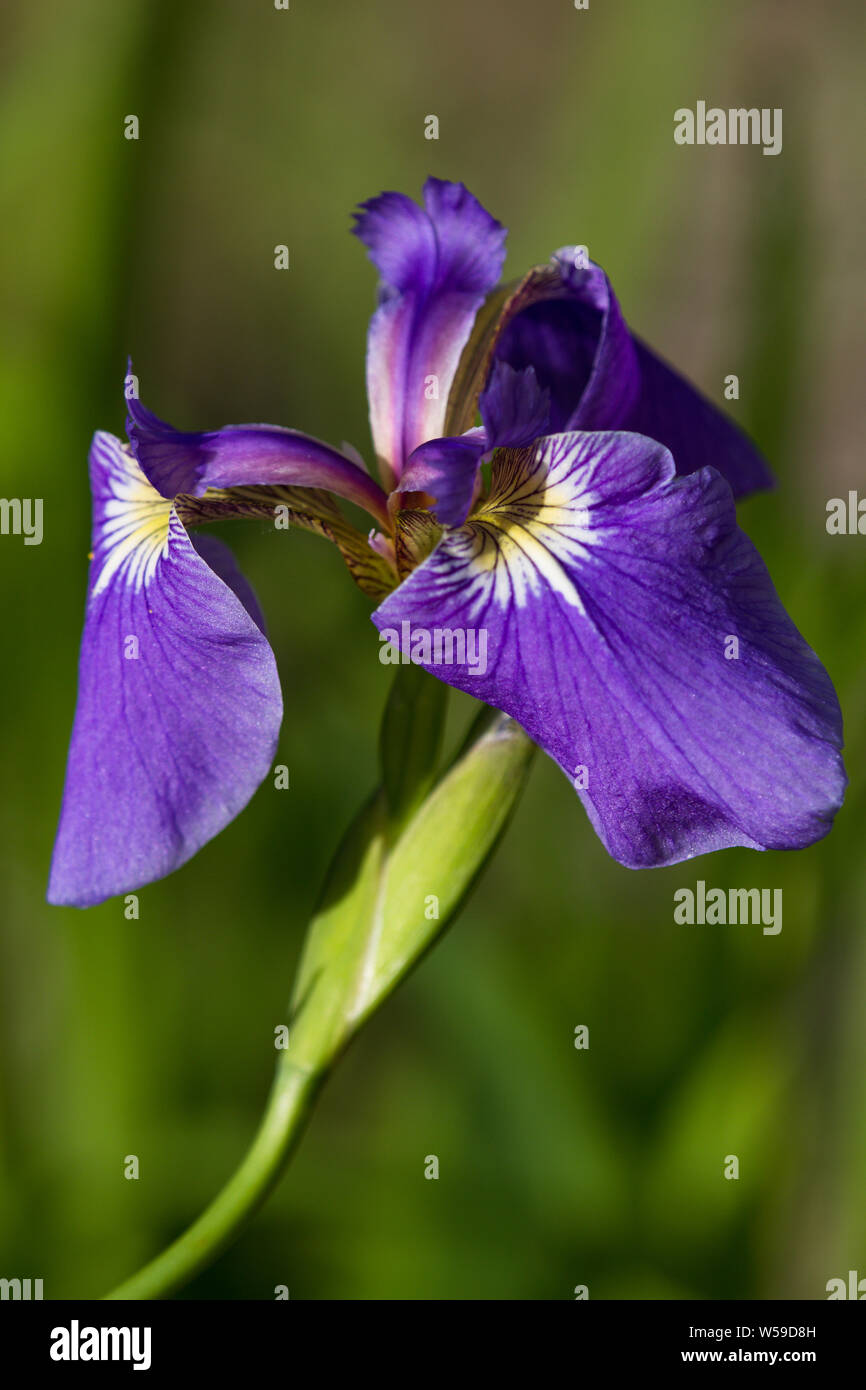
[
  {"x": 410, "y": 742},
  {"x": 388, "y": 896}
]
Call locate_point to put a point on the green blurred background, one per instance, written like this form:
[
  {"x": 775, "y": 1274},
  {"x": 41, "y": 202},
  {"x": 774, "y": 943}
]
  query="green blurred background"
[{"x": 155, "y": 1037}]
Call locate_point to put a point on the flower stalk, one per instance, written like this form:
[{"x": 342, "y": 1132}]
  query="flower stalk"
[{"x": 399, "y": 877}]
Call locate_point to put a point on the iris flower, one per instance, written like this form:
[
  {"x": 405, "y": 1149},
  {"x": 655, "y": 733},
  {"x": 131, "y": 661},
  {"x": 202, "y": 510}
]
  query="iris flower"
[{"x": 545, "y": 479}]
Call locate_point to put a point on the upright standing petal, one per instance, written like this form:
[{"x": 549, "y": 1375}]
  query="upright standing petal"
[
  {"x": 437, "y": 263},
  {"x": 179, "y": 703},
  {"x": 617, "y": 612},
  {"x": 565, "y": 321},
  {"x": 572, "y": 332}
]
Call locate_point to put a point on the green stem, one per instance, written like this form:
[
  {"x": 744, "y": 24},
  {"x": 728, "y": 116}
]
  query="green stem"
[{"x": 289, "y": 1106}]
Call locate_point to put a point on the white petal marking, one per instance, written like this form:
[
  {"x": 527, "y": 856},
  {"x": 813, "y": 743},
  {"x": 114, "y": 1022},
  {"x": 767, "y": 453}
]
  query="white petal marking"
[
  {"x": 132, "y": 534},
  {"x": 534, "y": 528}
]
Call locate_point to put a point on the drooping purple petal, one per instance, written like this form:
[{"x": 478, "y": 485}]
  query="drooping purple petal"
[
  {"x": 219, "y": 558},
  {"x": 179, "y": 703},
  {"x": 177, "y": 462},
  {"x": 617, "y": 612},
  {"x": 514, "y": 411},
  {"x": 697, "y": 433},
  {"x": 437, "y": 263},
  {"x": 601, "y": 377}
]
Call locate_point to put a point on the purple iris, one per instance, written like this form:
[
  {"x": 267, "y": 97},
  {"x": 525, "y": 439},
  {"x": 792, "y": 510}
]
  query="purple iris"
[{"x": 548, "y": 483}]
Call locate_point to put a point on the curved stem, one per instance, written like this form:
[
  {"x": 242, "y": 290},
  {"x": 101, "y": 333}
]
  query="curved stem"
[{"x": 289, "y": 1106}]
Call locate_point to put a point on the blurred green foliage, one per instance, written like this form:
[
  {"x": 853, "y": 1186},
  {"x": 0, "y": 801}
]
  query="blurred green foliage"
[{"x": 558, "y": 1167}]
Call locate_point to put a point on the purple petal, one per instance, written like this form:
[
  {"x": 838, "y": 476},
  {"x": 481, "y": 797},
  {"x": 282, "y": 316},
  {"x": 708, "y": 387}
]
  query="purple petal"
[
  {"x": 446, "y": 470},
  {"x": 179, "y": 703},
  {"x": 577, "y": 341},
  {"x": 219, "y": 558},
  {"x": 244, "y": 456},
  {"x": 675, "y": 413},
  {"x": 437, "y": 263},
  {"x": 602, "y": 378},
  {"x": 514, "y": 409},
  {"x": 607, "y": 591}
]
